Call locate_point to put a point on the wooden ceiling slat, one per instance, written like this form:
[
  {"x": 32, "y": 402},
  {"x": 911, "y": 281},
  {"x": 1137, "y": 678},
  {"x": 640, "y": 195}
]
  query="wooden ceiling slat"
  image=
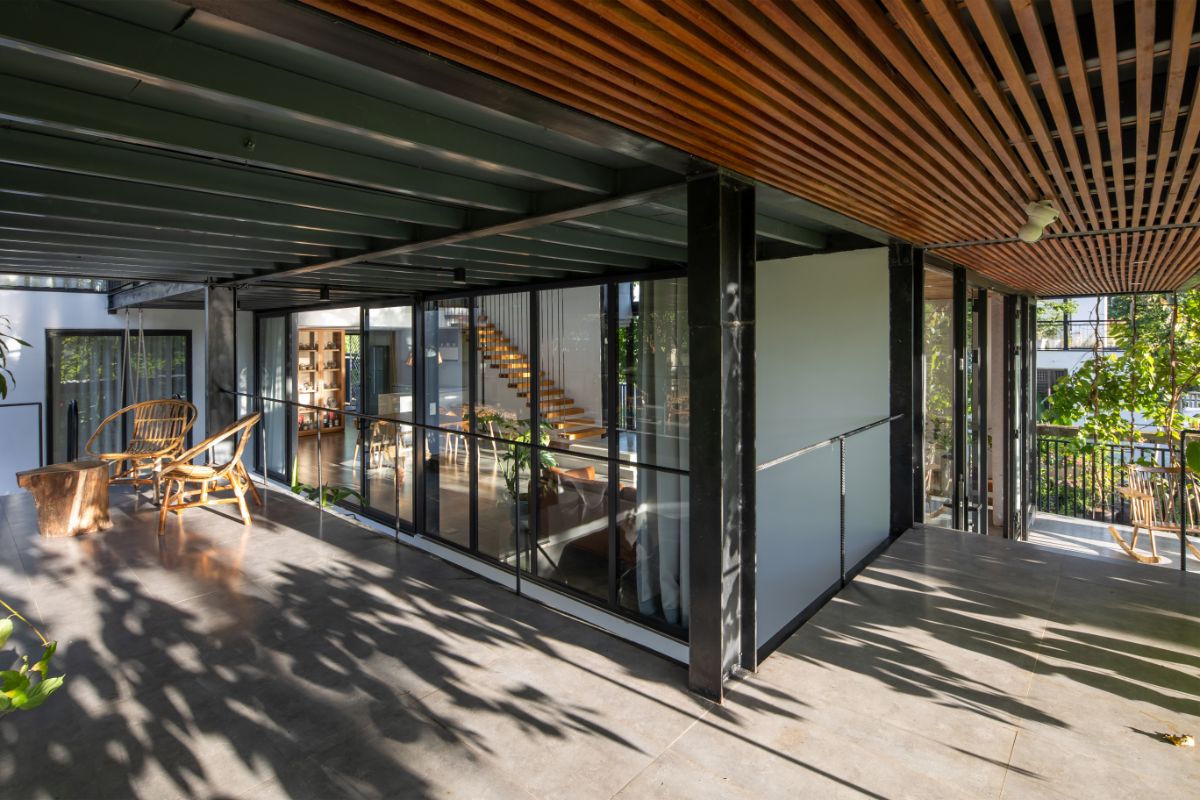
[
  {"x": 840, "y": 127},
  {"x": 1181, "y": 32},
  {"x": 1035, "y": 43},
  {"x": 732, "y": 131},
  {"x": 784, "y": 108},
  {"x": 921, "y": 117}
]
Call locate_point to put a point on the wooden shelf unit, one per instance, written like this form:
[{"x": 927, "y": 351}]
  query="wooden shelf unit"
[{"x": 320, "y": 379}]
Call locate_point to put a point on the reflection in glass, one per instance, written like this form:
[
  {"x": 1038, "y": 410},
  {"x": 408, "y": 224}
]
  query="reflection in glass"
[
  {"x": 652, "y": 386},
  {"x": 652, "y": 551},
  {"x": 447, "y": 382},
  {"x": 572, "y": 541},
  {"x": 388, "y": 380},
  {"x": 273, "y": 382},
  {"x": 938, "y": 366}
]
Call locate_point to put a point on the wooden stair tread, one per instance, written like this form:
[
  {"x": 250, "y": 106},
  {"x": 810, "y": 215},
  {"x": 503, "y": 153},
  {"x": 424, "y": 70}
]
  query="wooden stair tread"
[
  {"x": 563, "y": 412},
  {"x": 582, "y": 433}
]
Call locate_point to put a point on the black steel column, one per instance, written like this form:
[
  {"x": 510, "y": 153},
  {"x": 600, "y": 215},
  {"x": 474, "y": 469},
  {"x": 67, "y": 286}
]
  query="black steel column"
[
  {"x": 220, "y": 359},
  {"x": 420, "y": 403},
  {"x": 982, "y": 456},
  {"x": 960, "y": 398},
  {"x": 723, "y": 630},
  {"x": 1013, "y": 351},
  {"x": 903, "y": 263}
]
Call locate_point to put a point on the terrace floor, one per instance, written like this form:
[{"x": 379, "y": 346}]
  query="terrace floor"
[
  {"x": 1091, "y": 539},
  {"x": 307, "y": 657}
]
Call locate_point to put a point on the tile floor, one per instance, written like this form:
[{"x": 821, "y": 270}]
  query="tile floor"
[{"x": 306, "y": 657}]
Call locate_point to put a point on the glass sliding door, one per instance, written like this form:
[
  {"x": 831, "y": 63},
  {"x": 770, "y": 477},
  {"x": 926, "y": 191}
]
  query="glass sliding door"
[
  {"x": 503, "y": 391},
  {"x": 938, "y": 367},
  {"x": 274, "y": 381},
  {"x": 104, "y": 371},
  {"x": 652, "y": 491},
  {"x": 975, "y": 419},
  {"x": 447, "y": 462},
  {"x": 387, "y": 371}
]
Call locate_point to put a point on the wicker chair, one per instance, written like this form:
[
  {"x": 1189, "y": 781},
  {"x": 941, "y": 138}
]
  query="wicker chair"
[
  {"x": 229, "y": 476},
  {"x": 1153, "y": 494},
  {"x": 159, "y": 432}
]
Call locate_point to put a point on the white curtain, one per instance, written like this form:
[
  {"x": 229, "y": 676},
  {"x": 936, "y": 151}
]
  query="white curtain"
[{"x": 662, "y": 436}]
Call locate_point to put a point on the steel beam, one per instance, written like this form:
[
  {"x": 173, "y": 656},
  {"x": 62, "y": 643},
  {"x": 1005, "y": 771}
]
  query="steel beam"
[
  {"x": 769, "y": 228},
  {"x": 512, "y": 225},
  {"x": 81, "y": 113},
  {"x": 148, "y": 293},
  {"x": 723, "y": 629},
  {"x": 177, "y": 62},
  {"x": 23, "y": 180},
  {"x": 88, "y": 158},
  {"x": 631, "y": 225},
  {"x": 55, "y": 211}
]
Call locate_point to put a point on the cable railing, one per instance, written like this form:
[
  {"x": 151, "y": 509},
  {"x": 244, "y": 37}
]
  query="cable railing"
[{"x": 840, "y": 440}]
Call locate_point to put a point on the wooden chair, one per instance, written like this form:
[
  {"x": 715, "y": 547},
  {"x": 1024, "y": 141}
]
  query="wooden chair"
[
  {"x": 228, "y": 476},
  {"x": 1153, "y": 494},
  {"x": 158, "y": 434}
]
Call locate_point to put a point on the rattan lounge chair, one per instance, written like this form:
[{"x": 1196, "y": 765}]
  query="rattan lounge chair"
[
  {"x": 228, "y": 476},
  {"x": 159, "y": 431}
]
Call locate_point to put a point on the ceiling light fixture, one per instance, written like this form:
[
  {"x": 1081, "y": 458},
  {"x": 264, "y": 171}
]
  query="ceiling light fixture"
[
  {"x": 325, "y": 298},
  {"x": 460, "y": 275},
  {"x": 1041, "y": 213}
]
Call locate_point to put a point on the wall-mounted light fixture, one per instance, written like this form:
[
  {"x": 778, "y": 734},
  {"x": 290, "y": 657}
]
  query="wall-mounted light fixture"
[{"x": 1041, "y": 213}]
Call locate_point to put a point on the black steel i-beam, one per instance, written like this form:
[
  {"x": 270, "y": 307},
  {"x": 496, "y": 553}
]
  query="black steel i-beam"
[
  {"x": 220, "y": 358},
  {"x": 722, "y": 629},
  {"x": 903, "y": 265}
]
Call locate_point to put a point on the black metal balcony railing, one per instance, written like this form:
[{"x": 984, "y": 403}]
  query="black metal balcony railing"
[
  {"x": 1087, "y": 484},
  {"x": 1080, "y": 334}
]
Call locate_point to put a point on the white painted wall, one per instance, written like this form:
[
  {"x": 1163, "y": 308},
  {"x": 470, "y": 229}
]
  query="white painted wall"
[
  {"x": 821, "y": 368},
  {"x": 32, "y": 313}
]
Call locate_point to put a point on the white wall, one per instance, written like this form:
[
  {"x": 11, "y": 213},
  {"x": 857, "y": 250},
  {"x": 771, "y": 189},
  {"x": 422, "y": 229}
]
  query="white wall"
[
  {"x": 32, "y": 313},
  {"x": 822, "y": 369}
]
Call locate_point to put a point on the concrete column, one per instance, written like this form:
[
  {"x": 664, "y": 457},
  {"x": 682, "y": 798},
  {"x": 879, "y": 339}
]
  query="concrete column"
[
  {"x": 220, "y": 357},
  {"x": 723, "y": 630}
]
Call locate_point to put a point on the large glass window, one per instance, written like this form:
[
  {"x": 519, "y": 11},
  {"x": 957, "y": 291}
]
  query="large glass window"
[
  {"x": 938, "y": 369},
  {"x": 388, "y": 368},
  {"x": 274, "y": 381},
  {"x": 104, "y": 371},
  {"x": 607, "y": 516},
  {"x": 447, "y": 385}
]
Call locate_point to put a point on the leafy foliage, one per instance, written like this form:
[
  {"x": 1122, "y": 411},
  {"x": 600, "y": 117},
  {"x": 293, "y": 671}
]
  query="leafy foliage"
[
  {"x": 1159, "y": 362},
  {"x": 28, "y": 686},
  {"x": 7, "y": 342},
  {"x": 324, "y": 496}
]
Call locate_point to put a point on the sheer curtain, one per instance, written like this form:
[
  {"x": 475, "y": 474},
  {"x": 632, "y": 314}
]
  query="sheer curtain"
[{"x": 662, "y": 440}]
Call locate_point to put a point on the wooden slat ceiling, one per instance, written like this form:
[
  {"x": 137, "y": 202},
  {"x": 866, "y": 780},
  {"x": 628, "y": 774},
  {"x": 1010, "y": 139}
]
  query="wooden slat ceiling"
[{"x": 934, "y": 120}]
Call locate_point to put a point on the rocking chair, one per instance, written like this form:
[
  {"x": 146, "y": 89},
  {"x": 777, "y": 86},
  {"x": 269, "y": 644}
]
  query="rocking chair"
[
  {"x": 1153, "y": 494},
  {"x": 228, "y": 476},
  {"x": 158, "y": 434}
]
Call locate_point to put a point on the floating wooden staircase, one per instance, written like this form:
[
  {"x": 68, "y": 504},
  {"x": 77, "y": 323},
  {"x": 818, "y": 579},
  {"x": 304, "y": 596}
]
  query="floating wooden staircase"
[{"x": 558, "y": 410}]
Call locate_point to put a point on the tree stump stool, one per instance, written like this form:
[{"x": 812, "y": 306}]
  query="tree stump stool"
[{"x": 71, "y": 498}]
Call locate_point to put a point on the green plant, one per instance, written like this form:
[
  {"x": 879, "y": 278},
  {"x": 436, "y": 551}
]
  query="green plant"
[
  {"x": 517, "y": 457},
  {"x": 27, "y": 687},
  {"x": 7, "y": 341},
  {"x": 1157, "y": 363},
  {"x": 325, "y": 496}
]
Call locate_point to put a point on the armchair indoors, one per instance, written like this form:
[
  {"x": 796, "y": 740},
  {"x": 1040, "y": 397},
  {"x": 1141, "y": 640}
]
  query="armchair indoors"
[{"x": 228, "y": 476}]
